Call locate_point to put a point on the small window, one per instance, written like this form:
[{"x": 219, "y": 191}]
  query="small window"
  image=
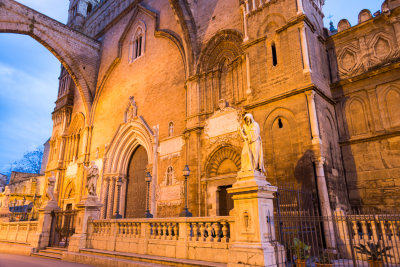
[
  {"x": 89, "y": 8},
  {"x": 138, "y": 42},
  {"x": 274, "y": 56},
  {"x": 170, "y": 174},
  {"x": 280, "y": 124},
  {"x": 170, "y": 129}
]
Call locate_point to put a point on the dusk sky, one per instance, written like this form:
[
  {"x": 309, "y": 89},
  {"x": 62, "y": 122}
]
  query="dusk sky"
[{"x": 29, "y": 78}]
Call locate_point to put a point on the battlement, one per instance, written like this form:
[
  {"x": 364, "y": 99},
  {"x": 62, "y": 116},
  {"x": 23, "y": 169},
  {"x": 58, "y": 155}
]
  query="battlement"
[{"x": 365, "y": 15}]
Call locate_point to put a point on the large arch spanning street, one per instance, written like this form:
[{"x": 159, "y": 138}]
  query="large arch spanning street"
[{"x": 78, "y": 53}]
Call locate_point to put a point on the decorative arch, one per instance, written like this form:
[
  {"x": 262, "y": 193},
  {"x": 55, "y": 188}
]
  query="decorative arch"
[
  {"x": 77, "y": 123},
  {"x": 138, "y": 41},
  {"x": 78, "y": 53},
  {"x": 357, "y": 116},
  {"x": 128, "y": 137},
  {"x": 225, "y": 44},
  {"x": 281, "y": 132},
  {"x": 171, "y": 36},
  {"x": 271, "y": 23},
  {"x": 69, "y": 191},
  {"x": 392, "y": 100},
  {"x": 224, "y": 160}
]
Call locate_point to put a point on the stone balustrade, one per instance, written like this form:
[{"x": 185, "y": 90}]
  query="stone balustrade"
[
  {"x": 205, "y": 238},
  {"x": 21, "y": 232}
]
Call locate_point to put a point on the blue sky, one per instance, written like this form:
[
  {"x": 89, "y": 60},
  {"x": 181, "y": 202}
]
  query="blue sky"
[{"x": 29, "y": 78}]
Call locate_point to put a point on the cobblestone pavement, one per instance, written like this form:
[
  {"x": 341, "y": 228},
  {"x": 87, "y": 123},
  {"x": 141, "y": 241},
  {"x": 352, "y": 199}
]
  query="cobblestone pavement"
[{"x": 9, "y": 260}]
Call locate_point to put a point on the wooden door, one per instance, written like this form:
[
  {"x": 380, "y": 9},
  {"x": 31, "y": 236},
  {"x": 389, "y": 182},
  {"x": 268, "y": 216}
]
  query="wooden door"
[
  {"x": 136, "y": 188},
  {"x": 225, "y": 201}
]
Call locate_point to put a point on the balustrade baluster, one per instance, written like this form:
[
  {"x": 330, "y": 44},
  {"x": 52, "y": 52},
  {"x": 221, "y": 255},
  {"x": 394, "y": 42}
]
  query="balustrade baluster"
[
  {"x": 165, "y": 231},
  {"x": 217, "y": 232},
  {"x": 190, "y": 231},
  {"x": 175, "y": 227},
  {"x": 159, "y": 230},
  {"x": 202, "y": 232},
  {"x": 209, "y": 229},
  {"x": 133, "y": 229},
  {"x": 224, "y": 232}
]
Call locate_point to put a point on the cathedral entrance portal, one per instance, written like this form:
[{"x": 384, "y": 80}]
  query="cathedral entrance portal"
[{"x": 136, "y": 185}]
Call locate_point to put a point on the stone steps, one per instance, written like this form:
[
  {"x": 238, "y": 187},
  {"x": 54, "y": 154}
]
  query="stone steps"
[
  {"x": 141, "y": 260},
  {"x": 50, "y": 253}
]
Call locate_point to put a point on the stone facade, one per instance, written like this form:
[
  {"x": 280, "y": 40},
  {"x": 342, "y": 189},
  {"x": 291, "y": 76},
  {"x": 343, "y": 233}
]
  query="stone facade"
[{"x": 325, "y": 102}]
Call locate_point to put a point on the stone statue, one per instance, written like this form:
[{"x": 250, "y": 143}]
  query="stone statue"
[
  {"x": 252, "y": 153},
  {"x": 51, "y": 181},
  {"x": 92, "y": 176},
  {"x": 6, "y": 198},
  {"x": 131, "y": 111}
]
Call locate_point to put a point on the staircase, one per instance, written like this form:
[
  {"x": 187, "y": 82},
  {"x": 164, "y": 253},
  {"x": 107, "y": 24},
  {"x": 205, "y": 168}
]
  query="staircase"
[{"x": 50, "y": 253}]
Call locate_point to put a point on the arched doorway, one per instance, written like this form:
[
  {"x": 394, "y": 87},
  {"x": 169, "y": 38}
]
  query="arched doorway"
[{"x": 136, "y": 185}]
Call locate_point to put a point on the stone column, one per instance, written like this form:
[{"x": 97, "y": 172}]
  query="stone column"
[
  {"x": 312, "y": 111},
  {"x": 324, "y": 202},
  {"x": 110, "y": 202},
  {"x": 253, "y": 230},
  {"x": 106, "y": 186},
  {"x": 304, "y": 48}
]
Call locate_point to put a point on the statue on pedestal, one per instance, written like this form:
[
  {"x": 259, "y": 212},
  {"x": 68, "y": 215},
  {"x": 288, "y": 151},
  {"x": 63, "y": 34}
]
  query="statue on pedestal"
[
  {"x": 6, "y": 198},
  {"x": 92, "y": 176},
  {"x": 252, "y": 153},
  {"x": 51, "y": 181}
]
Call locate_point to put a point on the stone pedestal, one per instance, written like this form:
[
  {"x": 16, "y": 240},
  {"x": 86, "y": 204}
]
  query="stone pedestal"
[
  {"x": 4, "y": 214},
  {"x": 88, "y": 209},
  {"x": 254, "y": 225},
  {"x": 42, "y": 238}
]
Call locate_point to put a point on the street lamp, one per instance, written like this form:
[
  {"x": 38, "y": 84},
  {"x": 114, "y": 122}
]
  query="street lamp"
[
  {"x": 119, "y": 184},
  {"x": 148, "y": 181},
  {"x": 185, "y": 212}
]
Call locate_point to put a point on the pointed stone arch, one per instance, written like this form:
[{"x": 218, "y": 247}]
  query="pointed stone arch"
[{"x": 78, "y": 53}]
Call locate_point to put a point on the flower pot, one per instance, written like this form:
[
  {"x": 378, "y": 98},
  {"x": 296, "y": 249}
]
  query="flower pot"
[
  {"x": 301, "y": 263},
  {"x": 375, "y": 263},
  {"x": 323, "y": 264}
]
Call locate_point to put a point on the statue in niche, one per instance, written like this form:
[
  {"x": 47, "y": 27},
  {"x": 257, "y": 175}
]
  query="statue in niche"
[
  {"x": 252, "y": 154},
  {"x": 51, "y": 181},
  {"x": 6, "y": 198},
  {"x": 92, "y": 176},
  {"x": 131, "y": 110},
  {"x": 169, "y": 176}
]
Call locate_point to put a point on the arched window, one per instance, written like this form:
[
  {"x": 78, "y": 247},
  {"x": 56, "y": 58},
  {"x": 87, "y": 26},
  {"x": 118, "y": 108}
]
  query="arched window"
[
  {"x": 89, "y": 8},
  {"x": 170, "y": 129},
  {"x": 170, "y": 175},
  {"x": 274, "y": 55},
  {"x": 138, "y": 42}
]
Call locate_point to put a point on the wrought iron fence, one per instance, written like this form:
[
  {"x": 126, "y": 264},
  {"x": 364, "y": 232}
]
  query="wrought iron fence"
[
  {"x": 343, "y": 239},
  {"x": 62, "y": 228}
]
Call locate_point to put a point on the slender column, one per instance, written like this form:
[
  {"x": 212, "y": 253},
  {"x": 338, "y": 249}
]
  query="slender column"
[
  {"x": 254, "y": 5},
  {"x": 110, "y": 206},
  {"x": 324, "y": 202},
  {"x": 304, "y": 48},
  {"x": 300, "y": 9},
  {"x": 104, "y": 199},
  {"x": 248, "y": 91},
  {"x": 312, "y": 111},
  {"x": 244, "y": 7}
]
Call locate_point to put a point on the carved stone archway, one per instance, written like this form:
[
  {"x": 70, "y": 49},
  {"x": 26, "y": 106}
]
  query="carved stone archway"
[
  {"x": 129, "y": 136},
  {"x": 78, "y": 53},
  {"x": 221, "y": 171}
]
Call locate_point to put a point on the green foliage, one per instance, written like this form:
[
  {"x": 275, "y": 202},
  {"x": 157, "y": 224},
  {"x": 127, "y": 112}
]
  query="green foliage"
[
  {"x": 301, "y": 249},
  {"x": 373, "y": 251}
]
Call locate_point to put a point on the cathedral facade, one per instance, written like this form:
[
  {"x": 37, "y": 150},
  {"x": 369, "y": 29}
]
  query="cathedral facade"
[{"x": 172, "y": 79}]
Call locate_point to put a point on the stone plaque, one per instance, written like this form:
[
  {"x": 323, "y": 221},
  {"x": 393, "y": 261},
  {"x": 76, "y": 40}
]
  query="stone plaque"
[
  {"x": 170, "y": 195},
  {"x": 171, "y": 146},
  {"x": 72, "y": 170},
  {"x": 222, "y": 123}
]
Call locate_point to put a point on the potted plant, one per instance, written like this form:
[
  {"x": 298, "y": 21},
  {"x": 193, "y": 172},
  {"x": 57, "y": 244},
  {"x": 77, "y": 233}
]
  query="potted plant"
[
  {"x": 324, "y": 261},
  {"x": 302, "y": 252},
  {"x": 374, "y": 252}
]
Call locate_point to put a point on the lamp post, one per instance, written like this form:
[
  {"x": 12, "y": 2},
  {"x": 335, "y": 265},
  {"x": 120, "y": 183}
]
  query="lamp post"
[
  {"x": 119, "y": 184},
  {"x": 148, "y": 181},
  {"x": 185, "y": 212}
]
